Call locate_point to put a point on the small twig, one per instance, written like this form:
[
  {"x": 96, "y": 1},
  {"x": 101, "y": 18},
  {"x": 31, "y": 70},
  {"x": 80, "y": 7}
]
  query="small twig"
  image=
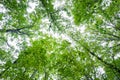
[
  {"x": 6, "y": 42},
  {"x": 33, "y": 74}
]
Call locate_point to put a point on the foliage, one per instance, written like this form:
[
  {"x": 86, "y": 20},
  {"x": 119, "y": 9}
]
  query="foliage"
[{"x": 43, "y": 56}]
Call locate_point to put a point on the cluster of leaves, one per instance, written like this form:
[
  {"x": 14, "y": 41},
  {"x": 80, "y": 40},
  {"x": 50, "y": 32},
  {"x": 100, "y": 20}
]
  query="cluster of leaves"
[
  {"x": 84, "y": 11},
  {"x": 48, "y": 58},
  {"x": 102, "y": 33}
]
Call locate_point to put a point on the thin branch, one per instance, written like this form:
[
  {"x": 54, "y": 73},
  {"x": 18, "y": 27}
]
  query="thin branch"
[
  {"x": 113, "y": 35},
  {"x": 33, "y": 74},
  {"x": 18, "y": 30},
  {"x": 110, "y": 39},
  {"x": 2, "y": 38},
  {"x": 99, "y": 58},
  {"x": 106, "y": 63},
  {"x": 107, "y": 33},
  {"x": 50, "y": 15}
]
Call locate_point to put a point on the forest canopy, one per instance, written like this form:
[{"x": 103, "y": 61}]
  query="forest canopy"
[{"x": 60, "y": 40}]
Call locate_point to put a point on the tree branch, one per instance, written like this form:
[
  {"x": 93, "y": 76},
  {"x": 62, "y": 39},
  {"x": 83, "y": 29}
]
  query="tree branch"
[
  {"x": 106, "y": 63},
  {"x": 17, "y": 30},
  {"x": 2, "y": 38},
  {"x": 33, "y": 74}
]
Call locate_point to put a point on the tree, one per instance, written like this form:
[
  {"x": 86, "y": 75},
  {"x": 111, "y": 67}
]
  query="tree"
[
  {"x": 94, "y": 56},
  {"x": 102, "y": 25}
]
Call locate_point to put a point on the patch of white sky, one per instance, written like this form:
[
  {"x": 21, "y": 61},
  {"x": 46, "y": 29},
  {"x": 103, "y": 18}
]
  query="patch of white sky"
[
  {"x": 1, "y": 24},
  {"x": 13, "y": 43},
  {"x": 65, "y": 15},
  {"x": 103, "y": 43},
  {"x": 100, "y": 71},
  {"x": 31, "y": 7},
  {"x": 2, "y": 9},
  {"x": 2, "y": 62},
  {"x": 105, "y": 4},
  {"x": 59, "y": 4},
  {"x": 117, "y": 56},
  {"x": 109, "y": 44},
  {"x": 81, "y": 28}
]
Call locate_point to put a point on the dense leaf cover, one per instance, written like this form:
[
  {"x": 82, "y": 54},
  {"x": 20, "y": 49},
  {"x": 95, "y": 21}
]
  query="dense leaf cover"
[{"x": 60, "y": 40}]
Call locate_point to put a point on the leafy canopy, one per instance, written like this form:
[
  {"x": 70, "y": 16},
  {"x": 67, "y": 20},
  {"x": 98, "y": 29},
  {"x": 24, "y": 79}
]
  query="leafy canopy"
[{"x": 72, "y": 40}]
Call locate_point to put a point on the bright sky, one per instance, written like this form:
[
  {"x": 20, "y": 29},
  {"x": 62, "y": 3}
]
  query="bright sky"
[
  {"x": 31, "y": 7},
  {"x": 2, "y": 9},
  {"x": 59, "y": 4}
]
